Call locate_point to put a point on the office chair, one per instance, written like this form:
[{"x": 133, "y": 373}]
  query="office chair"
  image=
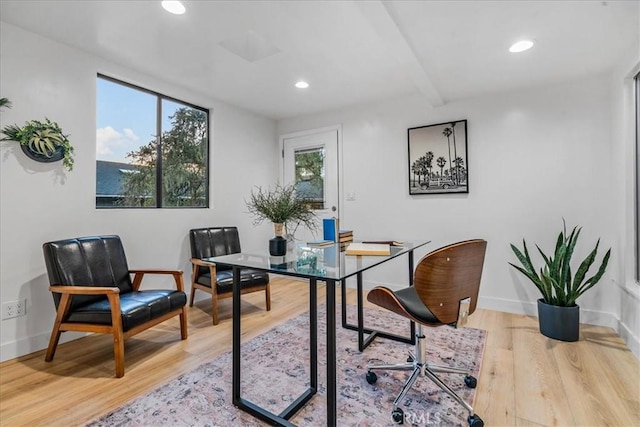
[
  {"x": 445, "y": 292},
  {"x": 92, "y": 290},
  {"x": 218, "y": 280}
]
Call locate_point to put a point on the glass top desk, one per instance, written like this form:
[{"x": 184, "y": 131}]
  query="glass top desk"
[{"x": 326, "y": 264}]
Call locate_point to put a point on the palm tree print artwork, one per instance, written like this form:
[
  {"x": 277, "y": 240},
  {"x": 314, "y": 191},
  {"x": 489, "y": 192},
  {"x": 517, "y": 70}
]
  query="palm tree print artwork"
[{"x": 438, "y": 161}]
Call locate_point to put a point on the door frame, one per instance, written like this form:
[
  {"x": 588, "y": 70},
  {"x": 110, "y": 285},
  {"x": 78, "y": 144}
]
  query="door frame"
[{"x": 338, "y": 129}]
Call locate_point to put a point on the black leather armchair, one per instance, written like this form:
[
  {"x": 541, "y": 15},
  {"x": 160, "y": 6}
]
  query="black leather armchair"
[
  {"x": 93, "y": 292},
  {"x": 218, "y": 241}
]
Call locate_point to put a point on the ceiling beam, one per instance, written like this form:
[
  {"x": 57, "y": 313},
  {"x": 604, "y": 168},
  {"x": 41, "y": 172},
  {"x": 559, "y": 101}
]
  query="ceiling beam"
[{"x": 382, "y": 21}]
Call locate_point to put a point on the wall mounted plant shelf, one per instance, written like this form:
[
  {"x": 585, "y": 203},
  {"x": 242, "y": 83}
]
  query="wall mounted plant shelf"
[{"x": 42, "y": 141}]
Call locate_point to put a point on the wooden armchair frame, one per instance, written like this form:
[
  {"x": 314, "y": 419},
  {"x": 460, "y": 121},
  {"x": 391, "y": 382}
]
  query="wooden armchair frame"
[
  {"x": 115, "y": 329},
  {"x": 213, "y": 290}
]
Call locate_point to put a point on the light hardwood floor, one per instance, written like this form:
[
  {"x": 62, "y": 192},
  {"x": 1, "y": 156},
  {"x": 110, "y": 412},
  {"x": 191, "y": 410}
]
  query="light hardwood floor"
[{"x": 526, "y": 379}]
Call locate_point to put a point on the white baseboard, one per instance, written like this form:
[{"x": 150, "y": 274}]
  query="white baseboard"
[
  {"x": 35, "y": 343},
  {"x": 22, "y": 347},
  {"x": 632, "y": 341},
  {"x": 590, "y": 317}
]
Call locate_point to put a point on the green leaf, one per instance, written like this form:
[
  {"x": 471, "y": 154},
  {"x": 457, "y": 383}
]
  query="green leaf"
[
  {"x": 596, "y": 278},
  {"x": 531, "y": 276},
  {"x": 565, "y": 277},
  {"x": 584, "y": 267},
  {"x": 41, "y": 137}
]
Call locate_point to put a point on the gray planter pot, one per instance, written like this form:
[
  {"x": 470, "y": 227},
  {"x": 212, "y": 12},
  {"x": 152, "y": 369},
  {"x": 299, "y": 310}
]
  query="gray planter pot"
[
  {"x": 55, "y": 157},
  {"x": 560, "y": 323}
]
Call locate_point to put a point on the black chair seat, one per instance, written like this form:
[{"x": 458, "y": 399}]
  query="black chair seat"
[
  {"x": 137, "y": 308},
  {"x": 83, "y": 273},
  {"x": 445, "y": 289},
  {"x": 217, "y": 241},
  {"x": 224, "y": 279},
  {"x": 412, "y": 303}
]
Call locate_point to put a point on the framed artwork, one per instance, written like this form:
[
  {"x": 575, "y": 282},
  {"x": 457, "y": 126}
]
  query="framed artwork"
[{"x": 438, "y": 158}]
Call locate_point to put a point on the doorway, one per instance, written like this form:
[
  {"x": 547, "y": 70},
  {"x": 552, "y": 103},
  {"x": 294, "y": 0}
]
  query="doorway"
[{"x": 310, "y": 161}]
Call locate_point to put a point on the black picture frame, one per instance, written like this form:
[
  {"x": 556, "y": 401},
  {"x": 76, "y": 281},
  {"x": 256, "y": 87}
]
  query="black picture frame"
[{"x": 438, "y": 162}]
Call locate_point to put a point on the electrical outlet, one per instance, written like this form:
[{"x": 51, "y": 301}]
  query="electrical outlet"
[
  {"x": 13, "y": 309},
  {"x": 21, "y": 308}
]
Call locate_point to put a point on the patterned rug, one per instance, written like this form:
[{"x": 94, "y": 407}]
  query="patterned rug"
[{"x": 275, "y": 371}]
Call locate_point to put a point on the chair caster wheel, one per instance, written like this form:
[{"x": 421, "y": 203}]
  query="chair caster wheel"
[
  {"x": 475, "y": 421},
  {"x": 470, "y": 381},
  {"x": 371, "y": 377},
  {"x": 397, "y": 416}
]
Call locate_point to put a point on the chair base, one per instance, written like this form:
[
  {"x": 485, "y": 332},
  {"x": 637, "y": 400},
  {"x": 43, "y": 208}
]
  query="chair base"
[
  {"x": 420, "y": 367},
  {"x": 216, "y": 297}
]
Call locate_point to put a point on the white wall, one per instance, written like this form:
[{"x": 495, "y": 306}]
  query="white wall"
[
  {"x": 534, "y": 157},
  {"x": 42, "y": 202},
  {"x": 623, "y": 133}
]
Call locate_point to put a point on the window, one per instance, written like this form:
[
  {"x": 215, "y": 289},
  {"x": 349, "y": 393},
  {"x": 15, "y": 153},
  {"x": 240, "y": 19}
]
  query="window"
[
  {"x": 309, "y": 165},
  {"x": 151, "y": 150}
]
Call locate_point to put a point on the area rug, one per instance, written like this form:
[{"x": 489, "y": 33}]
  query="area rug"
[{"x": 275, "y": 370}]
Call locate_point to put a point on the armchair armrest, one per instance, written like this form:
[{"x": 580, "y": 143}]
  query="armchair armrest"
[
  {"x": 156, "y": 271},
  {"x": 112, "y": 293},
  {"x": 84, "y": 290},
  {"x": 139, "y": 274},
  {"x": 201, "y": 262},
  {"x": 197, "y": 262}
]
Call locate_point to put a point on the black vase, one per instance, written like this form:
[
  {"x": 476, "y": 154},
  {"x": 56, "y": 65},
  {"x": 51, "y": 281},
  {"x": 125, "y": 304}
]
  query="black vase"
[
  {"x": 560, "y": 323},
  {"x": 278, "y": 246}
]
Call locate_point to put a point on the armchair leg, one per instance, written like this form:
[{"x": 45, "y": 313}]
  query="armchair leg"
[
  {"x": 63, "y": 308},
  {"x": 214, "y": 307},
  {"x": 268, "y": 296},
  {"x": 118, "y": 334},
  {"x": 53, "y": 343},
  {"x": 193, "y": 294},
  {"x": 118, "y": 352},
  {"x": 183, "y": 323}
]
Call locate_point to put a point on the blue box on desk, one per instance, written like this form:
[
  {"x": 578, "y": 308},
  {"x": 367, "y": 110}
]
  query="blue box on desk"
[{"x": 330, "y": 229}]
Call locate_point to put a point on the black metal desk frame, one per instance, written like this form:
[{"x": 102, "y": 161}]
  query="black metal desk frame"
[
  {"x": 282, "y": 419},
  {"x": 373, "y": 333}
]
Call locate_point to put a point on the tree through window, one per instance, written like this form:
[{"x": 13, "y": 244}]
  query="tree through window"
[{"x": 152, "y": 151}]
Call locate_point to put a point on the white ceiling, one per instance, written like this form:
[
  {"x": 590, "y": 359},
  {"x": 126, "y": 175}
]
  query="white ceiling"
[{"x": 350, "y": 52}]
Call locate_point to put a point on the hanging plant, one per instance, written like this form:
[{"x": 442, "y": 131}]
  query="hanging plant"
[{"x": 42, "y": 141}]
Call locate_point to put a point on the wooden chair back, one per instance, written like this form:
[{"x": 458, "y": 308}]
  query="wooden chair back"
[{"x": 446, "y": 276}]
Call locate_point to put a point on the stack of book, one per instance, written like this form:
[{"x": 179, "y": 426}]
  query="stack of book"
[
  {"x": 332, "y": 232},
  {"x": 320, "y": 243},
  {"x": 385, "y": 242},
  {"x": 345, "y": 237},
  {"x": 368, "y": 249}
]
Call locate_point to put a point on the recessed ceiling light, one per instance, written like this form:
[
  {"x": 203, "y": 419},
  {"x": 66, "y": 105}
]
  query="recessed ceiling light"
[
  {"x": 302, "y": 85},
  {"x": 521, "y": 46},
  {"x": 173, "y": 6}
]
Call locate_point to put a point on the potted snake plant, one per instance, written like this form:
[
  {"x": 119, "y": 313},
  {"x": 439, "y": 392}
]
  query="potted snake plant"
[{"x": 558, "y": 312}]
